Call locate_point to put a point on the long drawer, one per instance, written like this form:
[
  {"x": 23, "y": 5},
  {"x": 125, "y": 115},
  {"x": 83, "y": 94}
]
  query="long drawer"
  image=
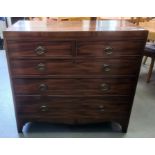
[
  {"x": 79, "y": 109},
  {"x": 40, "y": 49},
  {"x": 109, "y": 49},
  {"x": 78, "y": 86},
  {"x": 127, "y": 66}
]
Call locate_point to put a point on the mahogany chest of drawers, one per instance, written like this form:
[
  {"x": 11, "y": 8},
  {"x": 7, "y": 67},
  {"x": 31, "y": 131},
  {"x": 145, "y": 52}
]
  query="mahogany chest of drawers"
[{"x": 74, "y": 72}]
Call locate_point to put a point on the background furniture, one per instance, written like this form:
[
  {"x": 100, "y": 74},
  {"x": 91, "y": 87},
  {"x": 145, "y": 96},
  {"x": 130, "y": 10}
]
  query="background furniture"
[
  {"x": 150, "y": 26},
  {"x": 52, "y": 19},
  {"x": 74, "y": 72},
  {"x": 138, "y": 20},
  {"x": 150, "y": 46},
  {"x": 1, "y": 44},
  {"x": 149, "y": 51},
  {"x": 2, "y": 28}
]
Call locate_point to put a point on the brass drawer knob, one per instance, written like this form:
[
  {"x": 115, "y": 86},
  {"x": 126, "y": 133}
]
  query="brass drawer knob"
[
  {"x": 101, "y": 108},
  {"x": 105, "y": 87},
  {"x": 43, "y": 87},
  {"x": 44, "y": 108},
  {"x": 106, "y": 67},
  {"x": 40, "y": 50},
  {"x": 41, "y": 67},
  {"x": 108, "y": 50}
]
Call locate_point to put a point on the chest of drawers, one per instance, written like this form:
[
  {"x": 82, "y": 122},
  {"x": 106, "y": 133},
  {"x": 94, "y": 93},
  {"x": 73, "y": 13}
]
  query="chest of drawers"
[{"x": 74, "y": 72}]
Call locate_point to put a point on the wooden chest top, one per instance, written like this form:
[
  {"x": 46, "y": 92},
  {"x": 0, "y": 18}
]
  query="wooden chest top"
[{"x": 74, "y": 29}]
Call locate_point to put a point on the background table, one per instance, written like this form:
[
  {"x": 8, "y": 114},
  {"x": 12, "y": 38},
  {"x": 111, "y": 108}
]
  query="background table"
[{"x": 151, "y": 27}]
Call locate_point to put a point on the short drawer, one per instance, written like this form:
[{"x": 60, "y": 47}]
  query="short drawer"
[
  {"x": 80, "y": 109},
  {"x": 78, "y": 86},
  {"x": 124, "y": 66},
  {"x": 109, "y": 49},
  {"x": 18, "y": 49}
]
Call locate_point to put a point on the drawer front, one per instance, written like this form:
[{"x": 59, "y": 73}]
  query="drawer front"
[
  {"x": 109, "y": 49},
  {"x": 79, "y": 67},
  {"x": 40, "y": 49},
  {"x": 76, "y": 86},
  {"x": 80, "y": 109}
]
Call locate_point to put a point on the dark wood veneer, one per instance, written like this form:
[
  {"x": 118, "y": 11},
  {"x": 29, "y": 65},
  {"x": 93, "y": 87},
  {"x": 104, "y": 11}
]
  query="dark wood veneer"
[
  {"x": 76, "y": 67},
  {"x": 77, "y": 109},
  {"x": 74, "y": 86},
  {"x": 51, "y": 48},
  {"x": 97, "y": 48},
  {"x": 73, "y": 73}
]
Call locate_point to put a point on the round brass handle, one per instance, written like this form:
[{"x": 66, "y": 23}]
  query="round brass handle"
[
  {"x": 43, "y": 108},
  {"x": 40, "y": 50},
  {"x": 106, "y": 67},
  {"x": 41, "y": 67},
  {"x": 101, "y": 108},
  {"x": 108, "y": 50},
  {"x": 105, "y": 87},
  {"x": 43, "y": 87}
]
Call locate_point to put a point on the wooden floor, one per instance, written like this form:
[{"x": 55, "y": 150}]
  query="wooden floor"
[{"x": 142, "y": 122}]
